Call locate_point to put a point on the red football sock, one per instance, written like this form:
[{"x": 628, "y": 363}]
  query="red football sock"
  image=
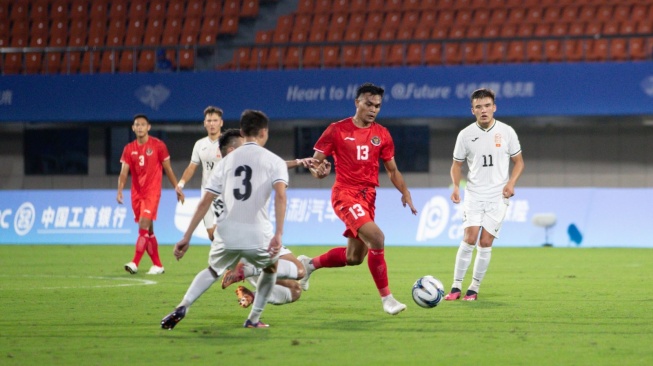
[
  {"x": 141, "y": 245},
  {"x": 379, "y": 270},
  {"x": 153, "y": 250},
  {"x": 336, "y": 257}
]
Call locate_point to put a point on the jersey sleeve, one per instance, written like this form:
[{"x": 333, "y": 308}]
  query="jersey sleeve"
[
  {"x": 163, "y": 151},
  {"x": 216, "y": 180},
  {"x": 280, "y": 172},
  {"x": 460, "y": 151},
  {"x": 124, "y": 158},
  {"x": 388, "y": 151},
  {"x": 195, "y": 156},
  {"x": 515, "y": 147},
  {"x": 325, "y": 143}
]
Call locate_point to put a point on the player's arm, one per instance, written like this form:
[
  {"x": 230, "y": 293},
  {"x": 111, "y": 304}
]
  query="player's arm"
[
  {"x": 517, "y": 169},
  {"x": 185, "y": 177},
  {"x": 280, "y": 202},
  {"x": 205, "y": 203},
  {"x": 320, "y": 167},
  {"x": 398, "y": 180},
  {"x": 122, "y": 180},
  {"x": 306, "y": 163},
  {"x": 456, "y": 173},
  {"x": 172, "y": 178}
]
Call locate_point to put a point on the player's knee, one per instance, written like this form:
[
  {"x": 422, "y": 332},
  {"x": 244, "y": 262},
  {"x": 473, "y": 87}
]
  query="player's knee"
[
  {"x": 295, "y": 292},
  {"x": 301, "y": 272}
]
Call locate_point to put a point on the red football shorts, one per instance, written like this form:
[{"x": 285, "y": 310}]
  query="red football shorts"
[
  {"x": 354, "y": 206},
  {"x": 145, "y": 207}
]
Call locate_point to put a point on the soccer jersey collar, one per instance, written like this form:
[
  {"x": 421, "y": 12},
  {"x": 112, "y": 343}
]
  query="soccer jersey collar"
[{"x": 494, "y": 122}]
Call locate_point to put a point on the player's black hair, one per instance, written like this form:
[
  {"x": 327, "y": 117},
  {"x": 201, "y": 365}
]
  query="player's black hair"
[
  {"x": 369, "y": 88},
  {"x": 141, "y": 116},
  {"x": 213, "y": 110},
  {"x": 252, "y": 121},
  {"x": 227, "y": 139},
  {"x": 482, "y": 93}
]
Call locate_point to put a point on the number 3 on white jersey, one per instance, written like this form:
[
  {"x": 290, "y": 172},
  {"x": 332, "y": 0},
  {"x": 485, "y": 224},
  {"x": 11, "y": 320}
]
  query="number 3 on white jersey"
[
  {"x": 356, "y": 211},
  {"x": 362, "y": 152}
]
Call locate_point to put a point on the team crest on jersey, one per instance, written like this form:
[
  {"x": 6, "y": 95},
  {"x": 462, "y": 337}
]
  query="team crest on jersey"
[
  {"x": 376, "y": 141},
  {"x": 497, "y": 140},
  {"x": 149, "y": 151}
]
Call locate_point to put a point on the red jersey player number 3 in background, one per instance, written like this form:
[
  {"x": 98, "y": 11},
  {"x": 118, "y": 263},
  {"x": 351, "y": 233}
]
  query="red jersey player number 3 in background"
[
  {"x": 356, "y": 144},
  {"x": 144, "y": 158}
]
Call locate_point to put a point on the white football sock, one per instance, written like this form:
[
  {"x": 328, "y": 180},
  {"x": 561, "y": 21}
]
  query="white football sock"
[
  {"x": 249, "y": 270},
  {"x": 286, "y": 270},
  {"x": 280, "y": 295},
  {"x": 263, "y": 290},
  {"x": 202, "y": 282},
  {"x": 482, "y": 262},
  {"x": 463, "y": 259}
]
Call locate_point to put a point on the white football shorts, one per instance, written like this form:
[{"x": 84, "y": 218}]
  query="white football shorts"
[
  {"x": 487, "y": 214},
  {"x": 221, "y": 259}
]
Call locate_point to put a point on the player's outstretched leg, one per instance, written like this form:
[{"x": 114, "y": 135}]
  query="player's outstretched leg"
[
  {"x": 308, "y": 269},
  {"x": 232, "y": 276}
]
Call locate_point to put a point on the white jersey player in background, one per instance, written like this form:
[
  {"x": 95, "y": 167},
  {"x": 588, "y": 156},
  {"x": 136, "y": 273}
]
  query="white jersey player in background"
[
  {"x": 206, "y": 153},
  {"x": 487, "y": 146},
  {"x": 245, "y": 181}
]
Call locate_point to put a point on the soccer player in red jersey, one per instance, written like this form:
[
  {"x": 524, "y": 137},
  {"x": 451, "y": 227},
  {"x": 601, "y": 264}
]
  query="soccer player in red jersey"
[
  {"x": 144, "y": 158},
  {"x": 356, "y": 144}
]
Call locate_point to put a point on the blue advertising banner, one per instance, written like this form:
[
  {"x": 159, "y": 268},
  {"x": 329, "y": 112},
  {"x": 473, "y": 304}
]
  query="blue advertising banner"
[
  {"x": 585, "y": 217},
  {"x": 574, "y": 89}
]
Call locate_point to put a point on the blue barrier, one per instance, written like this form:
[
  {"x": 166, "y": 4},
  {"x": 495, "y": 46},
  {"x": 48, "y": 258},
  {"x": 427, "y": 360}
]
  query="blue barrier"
[
  {"x": 601, "y": 217},
  {"x": 575, "y": 89}
]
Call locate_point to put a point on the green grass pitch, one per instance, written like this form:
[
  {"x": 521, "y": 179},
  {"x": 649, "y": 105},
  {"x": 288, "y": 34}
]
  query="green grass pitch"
[{"x": 75, "y": 305}]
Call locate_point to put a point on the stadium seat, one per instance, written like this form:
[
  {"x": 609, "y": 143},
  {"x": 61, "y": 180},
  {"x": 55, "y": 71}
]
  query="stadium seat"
[
  {"x": 534, "y": 51},
  {"x": 4, "y": 12},
  {"x": 351, "y": 56},
  {"x": 127, "y": 63},
  {"x": 264, "y": 37},
  {"x": 453, "y": 53},
  {"x": 39, "y": 12},
  {"x": 331, "y": 56},
  {"x": 597, "y": 50},
  {"x": 171, "y": 32},
  {"x": 109, "y": 62},
  {"x": 79, "y": 10},
  {"x": 299, "y": 36},
  {"x": 38, "y": 41},
  {"x": 542, "y": 30},
  {"x": 637, "y": 49},
  {"x": 12, "y": 64},
  {"x": 51, "y": 63},
  {"x": 212, "y": 9},
  {"x": 463, "y": 17},
  {"x": 573, "y": 50},
  {"x": 118, "y": 9},
  {"x": 404, "y": 34},
  {"x": 440, "y": 32},
  {"x": 322, "y": 6},
  {"x": 33, "y": 62},
  {"x": 99, "y": 10},
  {"x": 273, "y": 58},
  {"x": 312, "y": 57},
  {"x": 146, "y": 61},
  {"x": 414, "y": 54},
  {"x": 335, "y": 35},
  {"x": 445, "y": 17},
  {"x": 481, "y": 16},
  {"x": 153, "y": 32},
  {"x": 97, "y": 32},
  {"x": 242, "y": 57},
  {"x": 257, "y": 57},
  {"x": 492, "y": 31},
  {"x": 627, "y": 28},
  {"x": 409, "y": 20},
  {"x": 301, "y": 22},
  {"x": 457, "y": 32},
  {"x": 358, "y": 6},
  {"x": 559, "y": 29},
  {"x": 496, "y": 52},
  {"x": 508, "y": 31},
  {"x": 292, "y": 58},
  {"x": 534, "y": 15},
  {"x": 70, "y": 63},
  {"x": 517, "y": 15},
  {"x": 433, "y": 53},
  {"x": 338, "y": 22},
  {"x": 638, "y": 13},
  {"x": 90, "y": 62},
  {"x": 394, "y": 5},
  {"x": 593, "y": 29},
  {"x": 306, "y": 7},
  {"x": 176, "y": 9},
  {"x": 249, "y": 9},
  {"x": 587, "y": 13},
  {"x": 195, "y": 9},
  {"x": 58, "y": 33},
  {"x": 157, "y": 9},
  {"x": 374, "y": 20},
  {"x": 356, "y": 21},
  {"x": 427, "y": 19},
  {"x": 552, "y": 51},
  {"x": 412, "y": 5},
  {"x": 396, "y": 55},
  {"x": 190, "y": 33},
  {"x": 515, "y": 52},
  {"x": 281, "y": 36},
  {"x": 228, "y": 25},
  {"x": 19, "y": 12},
  {"x": 317, "y": 36},
  {"x": 231, "y": 8},
  {"x": 392, "y": 20},
  {"x": 39, "y": 28},
  {"x": 618, "y": 49},
  {"x": 422, "y": 33},
  {"x": 499, "y": 16},
  {"x": 604, "y": 13},
  {"x": 376, "y": 5}
]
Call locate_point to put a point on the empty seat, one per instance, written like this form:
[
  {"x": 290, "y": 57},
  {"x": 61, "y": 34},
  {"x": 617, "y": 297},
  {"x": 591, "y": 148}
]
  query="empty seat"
[
  {"x": 118, "y": 9},
  {"x": 242, "y": 57},
  {"x": 618, "y": 49},
  {"x": 190, "y": 33},
  {"x": 496, "y": 52},
  {"x": 12, "y": 64},
  {"x": 195, "y": 9},
  {"x": 452, "y": 53},
  {"x": 19, "y": 11},
  {"x": 249, "y": 9},
  {"x": 228, "y": 25},
  {"x": 137, "y": 10},
  {"x": 534, "y": 51},
  {"x": 127, "y": 61},
  {"x": 146, "y": 61},
  {"x": 176, "y": 9},
  {"x": 109, "y": 62},
  {"x": 553, "y": 51},
  {"x": 597, "y": 50},
  {"x": 134, "y": 33},
  {"x": 70, "y": 63},
  {"x": 306, "y": 7},
  {"x": 90, "y": 62},
  {"x": 153, "y": 32},
  {"x": 99, "y": 10},
  {"x": 473, "y": 52},
  {"x": 515, "y": 51},
  {"x": 33, "y": 62},
  {"x": 414, "y": 54},
  {"x": 157, "y": 9},
  {"x": 331, "y": 56},
  {"x": 116, "y": 33},
  {"x": 51, "y": 63},
  {"x": 79, "y": 9},
  {"x": 433, "y": 53},
  {"x": 312, "y": 57},
  {"x": 39, "y": 12},
  {"x": 231, "y": 8},
  {"x": 171, "y": 32}
]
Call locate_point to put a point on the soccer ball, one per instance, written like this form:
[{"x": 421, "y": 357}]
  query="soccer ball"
[{"x": 428, "y": 292}]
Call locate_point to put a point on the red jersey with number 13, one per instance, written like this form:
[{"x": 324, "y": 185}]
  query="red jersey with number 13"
[
  {"x": 145, "y": 165},
  {"x": 356, "y": 151}
]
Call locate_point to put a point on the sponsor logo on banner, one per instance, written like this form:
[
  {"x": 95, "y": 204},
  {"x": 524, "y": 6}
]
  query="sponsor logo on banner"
[
  {"x": 647, "y": 86},
  {"x": 152, "y": 96}
]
